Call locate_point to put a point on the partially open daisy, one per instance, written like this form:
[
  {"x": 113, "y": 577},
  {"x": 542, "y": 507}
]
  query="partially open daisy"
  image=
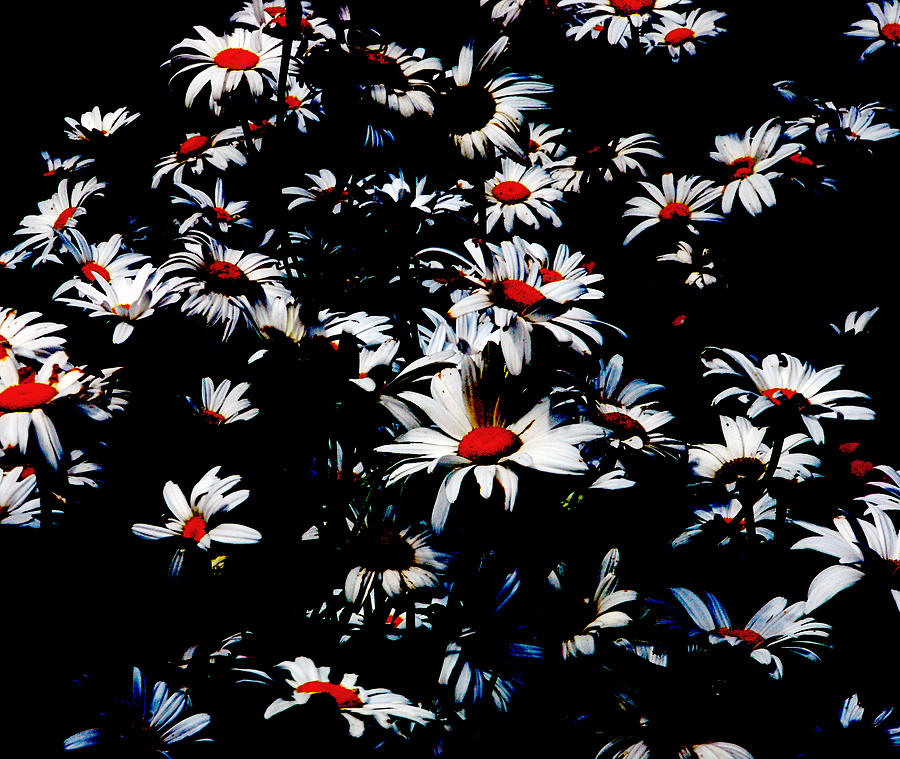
[
  {"x": 747, "y": 160},
  {"x": 883, "y": 30},
  {"x": 220, "y": 282},
  {"x": 325, "y": 189},
  {"x": 775, "y": 626},
  {"x": 542, "y": 145},
  {"x": 357, "y": 705},
  {"x": 94, "y": 126},
  {"x": 520, "y": 192},
  {"x": 22, "y": 337},
  {"x": 225, "y": 62},
  {"x": 222, "y": 403},
  {"x": 212, "y": 211},
  {"x": 472, "y": 436},
  {"x": 395, "y": 78},
  {"x": 199, "y": 150},
  {"x": 55, "y": 216},
  {"x": 683, "y": 32},
  {"x": 680, "y": 203},
  {"x": 481, "y": 110}
]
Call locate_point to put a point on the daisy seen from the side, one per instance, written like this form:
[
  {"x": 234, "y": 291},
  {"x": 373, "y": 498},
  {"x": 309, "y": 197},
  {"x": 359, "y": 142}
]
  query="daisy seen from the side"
[{"x": 676, "y": 203}]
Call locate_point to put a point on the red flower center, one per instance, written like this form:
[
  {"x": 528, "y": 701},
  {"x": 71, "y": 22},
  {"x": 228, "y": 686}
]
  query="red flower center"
[
  {"x": 893, "y": 564},
  {"x": 800, "y": 160},
  {"x": 675, "y": 211},
  {"x": 225, "y": 271},
  {"x": 515, "y": 295},
  {"x": 510, "y": 192},
  {"x": 293, "y": 103},
  {"x": 25, "y": 397},
  {"x": 627, "y": 7},
  {"x": 277, "y": 14},
  {"x": 64, "y": 217},
  {"x": 345, "y": 698},
  {"x": 752, "y": 639},
  {"x": 93, "y": 270},
  {"x": 236, "y": 59},
  {"x": 550, "y": 275},
  {"x": 860, "y": 468},
  {"x": 623, "y": 425},
  {"x": 533, "y": 147},
  {"x": 193, "y": 145},
  {"x": 194, "y": 528},
  {"x": 222, "y": 214},
  {"x": 741, "y": 168},
  {"x": 5, "y": 347},
  {"x": 779, "y": 395},
  {"x": 745, "y": 467},
  {"x": 379, "y": 58},
  {"x": 487, "y": 445},
  {"x": 679, "y": 36},
  {"x": 212, "y": 417},
  {"x": 891, "y": 32}
]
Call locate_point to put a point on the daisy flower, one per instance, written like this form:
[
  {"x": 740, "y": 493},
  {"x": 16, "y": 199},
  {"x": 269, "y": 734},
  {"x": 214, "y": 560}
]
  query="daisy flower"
[
  {"x": 24, "y": 396},
  {"x": 776, "y": 626},
  {"x": 325, "y": 190},
  {"x": 357, "y": 705},
  {"x": 223, "y": 404},
  {"x": 225, "y": 62},
  {"x": 883, "y": 30},
  {"x": 15, "y": 506},
  {"x": 605, "y": 160},
  {"x": 399, "y": 80},
  {"x": 484, "y": 111},
  {"x": 64, "y": 166},
  {"x": 504, "y": 12},
  {"x": 146, "y": 728},
  {"x": 857, "y": 126},
  {"x": 199, "y": 150},
  {"x": 744, "y": 457},
  {"x": 878, "y": 559},
  {"x": 473, "y": 437},
  {"x": 683, "y": 32},
  {"x": 541, "y": 144},
  {"x": 271, "y": 16},
  {"x": 641, "y": 750},
  {"x": 126, "y": 299},
  {"x": 717, "y": 518},
  {"x": 303, "y": 104},
  {"x": 747, "y": 159},
  {"x": 192, "y": 519},
  {"x": 22, "y": 337},
  {"x": 93, "y": 126},
  {"x": 679, "y": 203},
  {"x": 618, "y": 17},
  {"x": 221, "y": 282},
  {"x": 564, "y": 265},
  {"x": 213, "y": 211},
  {"x": 105, "y": 260},
  {"x": 701, "y": 267},
  {"x": 871, "y": 735},
  {"x": 54, "y": 216},
  {"x": 520, "y": 192},
  {"x": 600, "y": 611},
  {"x": 634, "y": 428},
  {"x": 786, "y": 383}
]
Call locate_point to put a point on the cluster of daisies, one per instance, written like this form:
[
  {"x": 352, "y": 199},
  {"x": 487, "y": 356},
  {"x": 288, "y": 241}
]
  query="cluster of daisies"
[{"x": 466, "y": 498}]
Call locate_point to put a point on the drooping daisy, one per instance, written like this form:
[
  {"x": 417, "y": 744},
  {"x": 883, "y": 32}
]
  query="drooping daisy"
[
  {"x": 520, "y": 192},
  {"x": 619, "y": 17},
  {"x": 126, "y": 299},
  {"x": 220, "y": 282},
  {"x": 62, "y": 167},
  {"x": 93, "y": 126},
  {"x": 104, "y": 260},
  {"x": 22, "y": 337},
  {"x": 683, "y": 32},
  {"x": 481, "y": 109},
  {"x": 225, "y": 62},
  {"x": 395, "y": 78},
  {"x": 884, "y": 29},
  {"x": 716, "y": 521},
  {"x": 223, "y": 404},
  {"x": 193, "y": 520},
  {"x": 357, "y": 705},
  {"x": 148, "y": 726},
  {"x": 776, "y": 626},
  {"x": 878, "y": 559},
  {"x": 701, "y": 267},
  {"x": 473, "y": 437},
  {"x": 54, "y": 216},
  {"x": 198, "y": 150},
  {"x": 744, "y": 457},
  {"x": 15, "y": 506},
  {"x": 679, "y": 203},
  {"x": 213, "y": 211},
  {"x": 786, "y": 383}
]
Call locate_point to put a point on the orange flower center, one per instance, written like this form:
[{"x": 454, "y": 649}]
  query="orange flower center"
[
  {"x": 345, "y": 698},
  {"x": 752, "y": 639},
  {"x": 487, "y": 445},
  {"x": 627, "y": 7},
  {"x": 679, "y": 36},
  {"x": 741, "y": 168},
  {"x": 212, "y": 417},
  {"x": 515, "y": 295},
  {"x": 533, "y": 147},
  {"x": 64, "y": 218},
  {"x": 550, "y": 275},
  {"x": 675, "y": 211},
  {"x": 509, "y": 192},
  {"x": 194, "y": 528},
  {"x": 26, "y": 396},
  {"x": 193, "y": 145},
  {"x": 236, "y": 59},
  {"x": 93, "y": 270},
  {"x": 891, "y": 32},
  {"x": 893, "y": 564}
]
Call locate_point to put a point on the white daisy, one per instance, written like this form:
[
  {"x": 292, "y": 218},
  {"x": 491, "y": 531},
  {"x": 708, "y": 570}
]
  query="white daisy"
[
  {"x": 198, "y": 150},
  {"x": 855, "y": 322},
  {"x": 717, "y": 518},
  {"x": 271, "y": 15},
  {"x": 676, "y": 203},
  {"x": 857, "y": 126},
  {"x": 884, "y": 29},
  {"x": 619, "y": 17},
  {"x": 93, "y": 126},
  {"x": 520, "y": 192},
  {"x": 605, "y": 160},
  {"x": 683, "y": 32},
  {"x": 64, "y": 166},
  {"x": 15, "y": 506},
  {"x": 213, "y": 211},
  {"x": 22, "y": 337},
  {"x": 303, "y": 104},
  {"x": 397, "y": 79},
  {"x": 223, "y": 404},
  {"x": 104, "y": 260},
  {"x": 701, "y": 267}
]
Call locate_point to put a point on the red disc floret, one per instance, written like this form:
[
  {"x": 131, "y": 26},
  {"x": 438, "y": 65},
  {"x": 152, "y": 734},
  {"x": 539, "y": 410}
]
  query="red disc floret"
[
  {"x": 64, "y": 217},
  {"x": 550, "y": 275},
  {"x": 487, "y": 445},
  {"x": 292, "y": 102},
  {"x": 212, "y": 417},
  {"x": 752, "y": 639},
  {"x": 891, "y": 32},
  {"x": 194, "y": 528},
  {"x": 515, "y": 295},
  {"x": 222, "y": 214},
  {"x": 92, "y": 270},
  {"x": 26, "y": 396},
  {"x": 193, "y": 145},
  {"x": 225, "y": 271},
  {"x": 277, "y": 14},
  {"x": 236, "y": 59},
  {"x": 345, "y": 698},
  {"x": 679, "y": 36},
  {"x": 623, "y": 425},
  {"x": 510, "y": 191},
  {"x": 674, "y": 210},
  {"x": 627, "y": 7},
  {"x": 741, "y": 168}
]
